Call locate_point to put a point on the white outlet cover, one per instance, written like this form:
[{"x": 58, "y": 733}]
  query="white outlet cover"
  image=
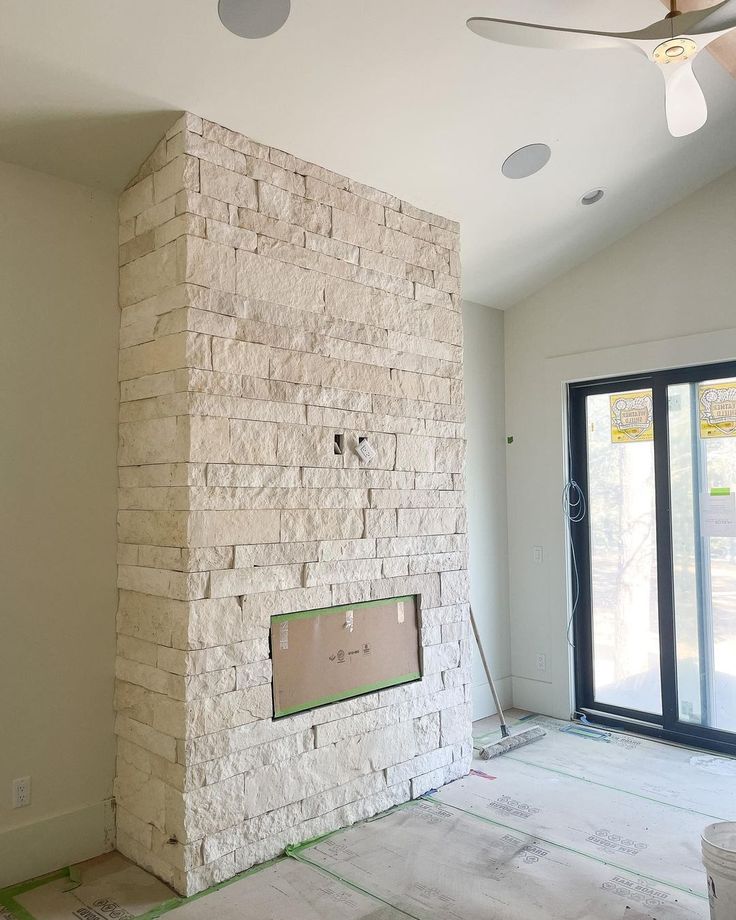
[
  {"x": 21, "y": 792},
  {"x": 366, "y": 451}
]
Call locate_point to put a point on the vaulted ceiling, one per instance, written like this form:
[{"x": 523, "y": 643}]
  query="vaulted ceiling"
[{"x": 396, "y": 93}]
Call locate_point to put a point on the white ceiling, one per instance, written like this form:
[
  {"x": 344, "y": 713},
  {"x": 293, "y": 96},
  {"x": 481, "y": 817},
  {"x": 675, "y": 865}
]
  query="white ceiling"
[{"x": 395, "y": 93}]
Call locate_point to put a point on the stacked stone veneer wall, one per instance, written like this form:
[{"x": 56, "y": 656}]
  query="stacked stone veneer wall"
[{"x": 268, "y": 304}]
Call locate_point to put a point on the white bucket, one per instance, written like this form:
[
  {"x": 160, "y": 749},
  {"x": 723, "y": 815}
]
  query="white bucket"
[{"x": 719, "y": 859}]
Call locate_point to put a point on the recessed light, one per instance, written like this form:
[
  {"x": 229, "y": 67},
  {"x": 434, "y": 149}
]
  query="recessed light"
[
  {"x": 593, "y": 196},
  {"x": 253, "y": 18},
  {"x": 526, "y": 161}
]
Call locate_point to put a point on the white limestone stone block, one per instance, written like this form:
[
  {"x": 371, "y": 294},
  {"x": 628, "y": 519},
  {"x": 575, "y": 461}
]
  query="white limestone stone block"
[
  {"x": 415, "y": 453},
  {"x": 334, "y": 550},
  {"x": 221, "y": 528},
  {"x": 332, "y": 247},
  {"x": 357, "y": 231},
  {"x": 265, "y": 171},
  {"x": 270, "y": 227},
  {"x": 233, "y": 357},
  {"x": 209, "y": 264},
  {"x": 136, "y": 199},
  {"x": 353, "y": 570},
  {"x": 146, "y": 737},
  {"x": 344, "y": 200},
  {"x": 154, "y": 217},
  {"x": 418, "y": 521},
  {"x": 275, "y": 554},
  {"x": 427, "y": 732},
  {"x": 151, "y": 274},
  {"x": 266, "y": 279},
  {"x": 214, "y": 621},
  {"x": 237, "y": 237},
  {"x": 213, "y": 808},
  {"x": 330, "y": 524},
  {"x": 455, "y": 587},
  {"x": 253, "y": 442},
  {"x": 202, "y": 205},
  {"x": 442, "y": 657},
  {"x": 233, "y": 140},
  {"x": 455, "y": 725},
  {"x": 239, "y": 707},
  {"x": 419, "y": 766},
  {"x": 256, "y": 580},
  {"x": 306, "y": 445},
  {"x": 280, "y": 204},
  {"x": 180, "y": 174}
]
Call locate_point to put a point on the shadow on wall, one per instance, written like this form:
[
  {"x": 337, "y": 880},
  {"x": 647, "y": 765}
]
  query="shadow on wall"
[{"x": 81, "y": 130}]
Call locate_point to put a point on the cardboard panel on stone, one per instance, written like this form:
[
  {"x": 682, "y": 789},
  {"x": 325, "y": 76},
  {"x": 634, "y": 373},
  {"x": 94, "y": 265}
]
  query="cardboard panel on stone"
[{"x": 322, "y": 656}]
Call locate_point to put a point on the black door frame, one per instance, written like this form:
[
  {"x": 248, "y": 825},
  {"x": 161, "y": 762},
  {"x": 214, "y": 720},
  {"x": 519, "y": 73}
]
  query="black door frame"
[{"x": 668, "y": 726}]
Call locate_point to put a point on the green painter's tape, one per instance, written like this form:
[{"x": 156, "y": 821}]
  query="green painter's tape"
[
  {"x": 562, "y": 846},
  {"x": 174, "y": 903},
  {"x": 348, "y": 884},
  {"x": 593, "y": 782},
  {"x": 8, "y": 895},
  {"x": 348, "y": 694},
  {"x": 327, "y": 611},
  {"x": 721, "y": 491}
]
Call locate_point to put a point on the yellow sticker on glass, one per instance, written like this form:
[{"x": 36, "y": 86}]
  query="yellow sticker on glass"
[
  {"x": 717, "y": 404},
  {"x": 632, "y": 417}
]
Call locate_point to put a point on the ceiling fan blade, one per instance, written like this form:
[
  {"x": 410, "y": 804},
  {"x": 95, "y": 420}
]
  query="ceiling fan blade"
[
  {"x": 529, "y": 35},
  {"x": 718, "y": 18},
  {"x": 687, "y": 110}
]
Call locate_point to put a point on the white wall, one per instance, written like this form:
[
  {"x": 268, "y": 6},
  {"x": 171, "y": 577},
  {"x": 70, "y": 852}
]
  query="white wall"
[
  {"x": 661, "y": 297},
  {"x": 486, "y": 499},
  {"x": 58, "y": 405}
]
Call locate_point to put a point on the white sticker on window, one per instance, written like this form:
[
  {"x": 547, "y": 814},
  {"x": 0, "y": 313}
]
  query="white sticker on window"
[
  {"x": 284, "y": 636},
  {"x": 400, "y": 611}
]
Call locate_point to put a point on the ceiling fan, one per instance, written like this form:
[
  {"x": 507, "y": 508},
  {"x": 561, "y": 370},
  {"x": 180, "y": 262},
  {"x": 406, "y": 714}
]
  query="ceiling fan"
[{"x": 672, "y": 44}]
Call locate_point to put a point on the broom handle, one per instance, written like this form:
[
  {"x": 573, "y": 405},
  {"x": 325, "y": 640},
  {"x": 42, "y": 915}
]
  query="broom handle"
[{"x": 504, "y": 726}]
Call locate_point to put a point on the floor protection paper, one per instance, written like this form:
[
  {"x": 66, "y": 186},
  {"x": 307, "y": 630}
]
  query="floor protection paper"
[
  {"x": 286, "y": 890},
  {"x": 639, "y": 835},
  {"x": 435, "y": 862},
  {"x": 679, "y": 776},
  {"x": 107, "y": 888}
]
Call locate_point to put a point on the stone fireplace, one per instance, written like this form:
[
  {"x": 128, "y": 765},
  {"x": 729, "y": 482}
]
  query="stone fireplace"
[{"x": 269, "y": 305}]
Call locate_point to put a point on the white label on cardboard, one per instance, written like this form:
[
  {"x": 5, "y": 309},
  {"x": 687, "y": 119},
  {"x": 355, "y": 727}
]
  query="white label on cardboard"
[
  {"x": 400, "y": 611},
  {"x": 284, "y": 636},
  {"x": 349, "y": 621}
]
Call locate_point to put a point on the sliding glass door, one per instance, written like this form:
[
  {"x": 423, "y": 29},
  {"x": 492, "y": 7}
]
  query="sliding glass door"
[{"x": 655, "y": 552}]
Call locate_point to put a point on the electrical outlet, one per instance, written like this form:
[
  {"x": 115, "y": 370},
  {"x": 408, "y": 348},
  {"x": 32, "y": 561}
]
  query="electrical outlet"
[
  {"x": 541, "y": 662},
  {"x": 538, "y": 555},
  {"x": 21, "y": 792}
]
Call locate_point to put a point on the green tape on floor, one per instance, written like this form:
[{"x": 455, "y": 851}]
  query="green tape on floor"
[
  {"x": 173, "y": 903},
  {"x": 594, "y": 782},
  {"x": 567, "y": 849},
  {"x": 294, "y": 853}
]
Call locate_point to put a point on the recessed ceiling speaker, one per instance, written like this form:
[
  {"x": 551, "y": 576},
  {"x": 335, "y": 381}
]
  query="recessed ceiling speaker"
[
  {"x": 253, "y": 18},
  {"x": 526, "y": 161}
]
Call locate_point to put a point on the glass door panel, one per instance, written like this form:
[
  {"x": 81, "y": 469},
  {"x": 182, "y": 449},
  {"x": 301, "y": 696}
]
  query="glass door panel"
[
  {"x": 702, "y": 468},
  {"x": 623, "y": 550}
]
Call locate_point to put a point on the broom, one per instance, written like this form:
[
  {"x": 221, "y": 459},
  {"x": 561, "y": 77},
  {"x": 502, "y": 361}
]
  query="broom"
[{"x": 508, "y": 741}]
